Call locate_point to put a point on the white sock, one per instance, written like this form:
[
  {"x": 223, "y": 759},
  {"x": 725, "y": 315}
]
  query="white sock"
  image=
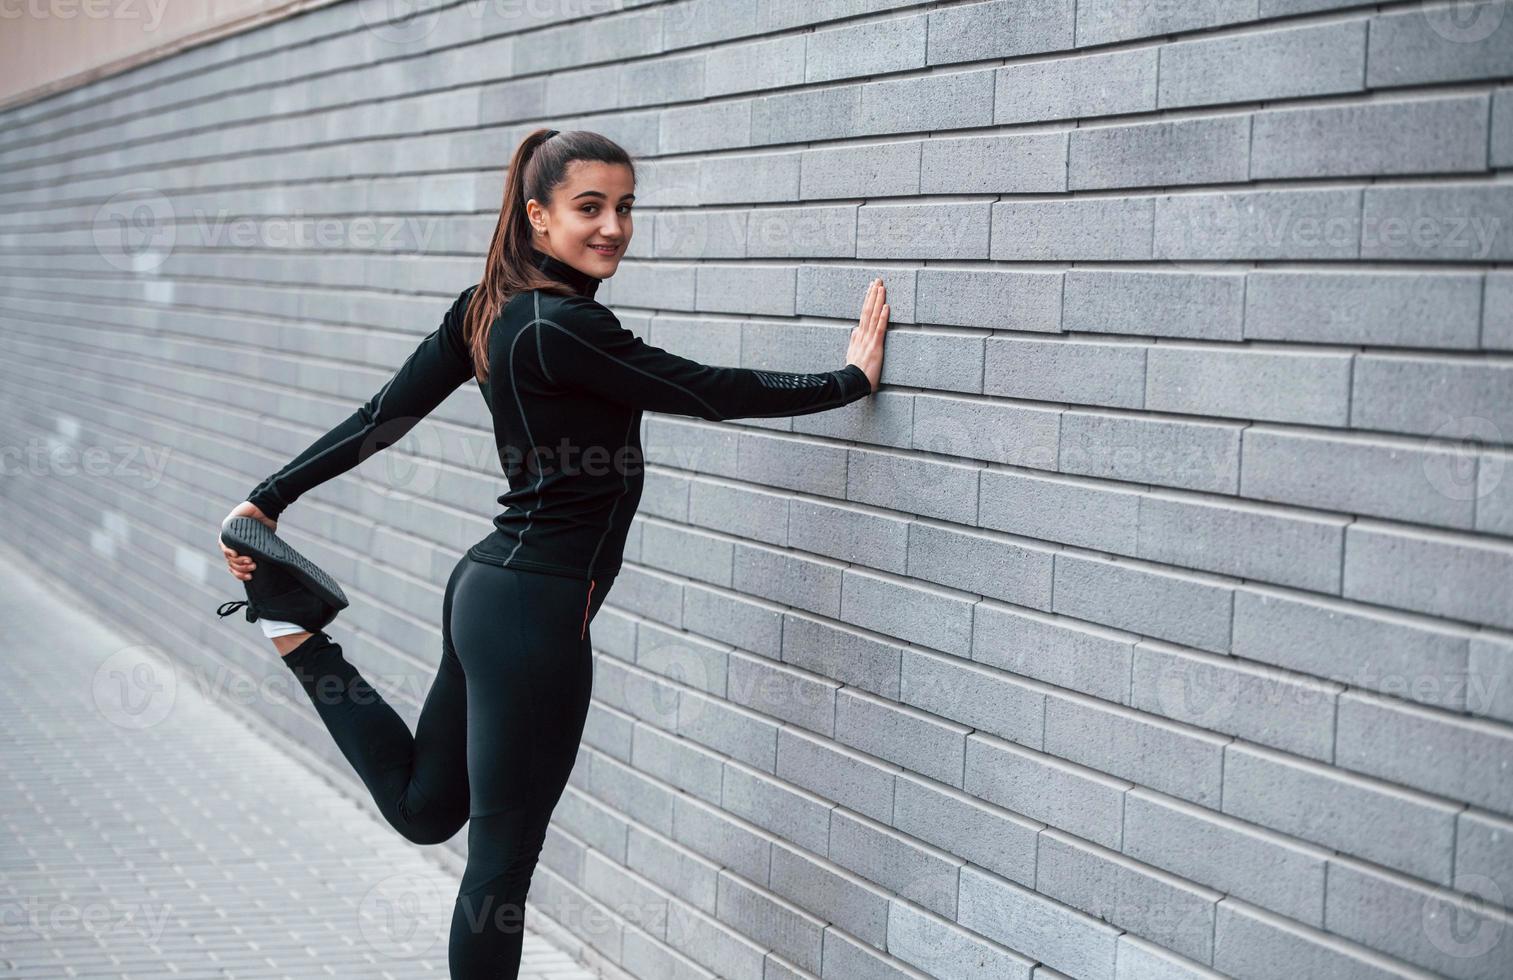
[{"x": 274, "y": 627}]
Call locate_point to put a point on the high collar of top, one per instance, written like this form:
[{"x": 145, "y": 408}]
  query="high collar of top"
[{"x": 582, "y": 282}]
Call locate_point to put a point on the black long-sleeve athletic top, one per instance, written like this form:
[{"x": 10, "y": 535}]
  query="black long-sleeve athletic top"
[{"x": 567, "y": 386}]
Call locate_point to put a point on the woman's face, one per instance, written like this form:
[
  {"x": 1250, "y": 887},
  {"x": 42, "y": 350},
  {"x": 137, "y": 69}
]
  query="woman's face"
[{"x": 588, "y": 225}]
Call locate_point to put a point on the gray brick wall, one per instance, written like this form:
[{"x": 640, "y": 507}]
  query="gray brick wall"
[{"x": 1153, "y": 620}]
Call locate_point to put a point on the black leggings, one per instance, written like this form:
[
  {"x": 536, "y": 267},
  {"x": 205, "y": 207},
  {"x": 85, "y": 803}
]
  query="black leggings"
[{"x": 493, "y": 746}]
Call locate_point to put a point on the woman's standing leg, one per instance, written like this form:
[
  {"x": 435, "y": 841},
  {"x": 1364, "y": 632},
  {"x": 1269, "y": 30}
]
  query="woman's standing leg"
[
  {"x": 522, "y": 638},
  {"x": 420, "y": 781}
]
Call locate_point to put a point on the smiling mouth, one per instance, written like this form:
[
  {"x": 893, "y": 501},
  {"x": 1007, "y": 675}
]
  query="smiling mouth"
[{"x": 605, "y": 249}]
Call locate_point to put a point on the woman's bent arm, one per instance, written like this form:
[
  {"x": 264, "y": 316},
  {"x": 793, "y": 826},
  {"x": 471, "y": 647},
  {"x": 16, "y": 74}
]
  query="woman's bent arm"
[{"x": 437, "y": 367}]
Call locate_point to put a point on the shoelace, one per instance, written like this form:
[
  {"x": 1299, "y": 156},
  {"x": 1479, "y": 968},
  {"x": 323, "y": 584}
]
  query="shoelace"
[{"x": 229, "y": 607}]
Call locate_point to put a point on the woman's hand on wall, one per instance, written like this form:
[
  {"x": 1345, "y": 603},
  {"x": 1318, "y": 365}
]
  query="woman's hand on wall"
[
  {"x": 866, "y": 350},
  {"x": 240, "y": 566}
]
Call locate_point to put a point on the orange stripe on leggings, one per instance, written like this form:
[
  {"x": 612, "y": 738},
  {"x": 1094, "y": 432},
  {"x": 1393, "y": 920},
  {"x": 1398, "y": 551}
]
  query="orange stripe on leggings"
[{"x": 584, "y": 632}]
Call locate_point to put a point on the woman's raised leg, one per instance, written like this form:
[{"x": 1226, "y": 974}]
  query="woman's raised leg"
[{"x": 419, "y": 781}]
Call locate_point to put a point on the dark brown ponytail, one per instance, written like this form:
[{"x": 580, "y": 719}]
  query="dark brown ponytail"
[{"x": 538, "y": 166}]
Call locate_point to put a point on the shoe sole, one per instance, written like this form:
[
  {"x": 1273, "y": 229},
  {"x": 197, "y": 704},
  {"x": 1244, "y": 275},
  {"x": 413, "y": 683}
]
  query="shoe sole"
[{"x": 250, "y": 536}]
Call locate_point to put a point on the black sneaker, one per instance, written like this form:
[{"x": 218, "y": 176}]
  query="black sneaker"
[{"x": 286, "y": 586}]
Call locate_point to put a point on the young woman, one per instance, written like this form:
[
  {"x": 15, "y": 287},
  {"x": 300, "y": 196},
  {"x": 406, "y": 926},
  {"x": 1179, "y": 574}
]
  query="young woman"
[{"x": 566, "y": 385}]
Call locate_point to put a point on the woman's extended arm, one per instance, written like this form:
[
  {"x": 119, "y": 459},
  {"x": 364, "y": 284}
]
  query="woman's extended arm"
[
  {"x": 592, "y": 351},
  {"x": 436, "y": 368}
]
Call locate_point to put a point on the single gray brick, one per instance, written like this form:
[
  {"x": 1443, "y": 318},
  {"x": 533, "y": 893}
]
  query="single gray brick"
[
  {"x": 1140, "y": 960},
  {"x": 655, "y": 285},
  {"x": 1254, "y": 944},
  {"x": 1020, "y": 163},
  {"x": 771, "y": 804},
  {"x": 754, "y": 66},
  {"x": 1489, "y": 687},
  {"x": 1103, "y": 21},
  {"x": 1154, "y": 304},
  {"x": 1323, "y": 805},
  {"x": 788, "y": 577},
  {"x": 1441, "y": 44},
  {"x": 1313, "y": 60},
  {"x": 882, "y": 420},
  {"x": 844, "y": 654},
  {"x": 937, "y": 618},
  {"x": 989, "y": 837},
  {"x": 984, "y": 699},
  {"x": 749, "y": 623},
  {"x": 1276, "y": 224},
  {"x": 781, "y": 461},
  {"x": 802, "y": 232},
  {"x": 939, "y": 948},
  {"x": 1376, "y": 649},
  {"x": 842, "y": 898},
  {"x": 765, "y": 289},
  {"x": 868, "y": 170},
  {"x": 1036, "y": 926},
  {"x": 913, "y": 484},
  {"x": 851, "y": 534},
  {"x": 1502, "y": 129},
  {"x": 1001, "y": 300},
  {"x": 1397, "y": 478},
  {"x": 918, "y": 741},
  {"x": 1000, "y": 29},
  {"x": 1078, "y": 800},
  {"x": 1062, "y": 509},
  {"x": 1497, "y": 312},
  {"x": 745, "y": 511},
  {"x": 1284, "y": 8},
  {"x": 986, "y": 429},
  {"x": 770, "y": 921},
  {"x": 743, "y": 179},
  {"x": 1462, "y": 758},
  {"x": 820, "y": 765},
  {"x": 701, "y": 235},
  {"x": 687, "y": 552},
  {"x": 662, "y": 80},
  {"x": 1186, "y": 608},
  {"x": 870, "y": 48},
  {"x": 1483, "y": 853},
  {"x": 1287, "y": 711},
  {"x": 1107, "y": 229},
  {"x": 794, "y": 117},
  {"x": 780, "y": 692},
  {"x": 1178, "y": 915},
  {"x": 1213, "y": 150},
  {"x": 1420, "y": 309},
  {"x": 926, "y": 103},
  {"x": 1281, "y": 386},
  {"x": 840, "y": 291},
  {"x": 1236, "y": 858},
  {"x": 1064, "y": 652},
  {"x": 1444, "y": 397},
  {"x": 1066, "y": 371},
  {"x": 1014, "y": 571},
  {"x": 1068, "y": 88},
  {"x": 1450, "y": 935},
  {"x": 904, "y": 867},
  {"x": 1438, "y": 573},
  {"x": 1424, "y": 136},
  {"x": 715, "y": 126},
  {"x": 1447, "y": 224},
  {"x": 923, "y": 231},
  {"x": 1247, "y": 540},
  {"x": 1175, "y": 759},
  {"x": 1146, "y": 449}
]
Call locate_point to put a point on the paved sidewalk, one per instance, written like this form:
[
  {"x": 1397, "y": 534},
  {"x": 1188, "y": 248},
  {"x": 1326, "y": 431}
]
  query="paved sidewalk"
[{"x": 146, "y": 831}]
